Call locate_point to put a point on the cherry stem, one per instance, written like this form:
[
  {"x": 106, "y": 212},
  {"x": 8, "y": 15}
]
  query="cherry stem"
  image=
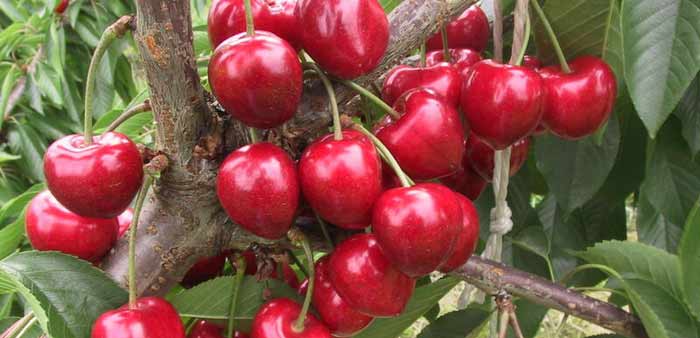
[
  {"x": 26, "y": 327},
  {"x": 445, "y": 46},
  {"x": 239, "y": 266},
  {"x": 298, "y": 263},
  {"x": 129, "y": 113},
  {"x": 140, "y": 198},
  {"x": 337, "y": 129},
  {"x": 114, "y": 31},
  {"x": 423, "y": 55},
  {"x": 497, "y": 31},
  {"x": 19, "y": 326},
  {"x": 324, "y": 229},
  {"x": 299, "y": 239},
  {"x": 376, "y": 100},
  {"x": 386, "y": 155},
  {"x": 526, "y": 42},
  {"x": 249, "y": 22},
  {"x": 552, "y": 37},
  {"x": 253, "y": 135}
]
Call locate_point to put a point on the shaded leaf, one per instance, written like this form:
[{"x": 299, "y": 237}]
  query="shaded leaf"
[
  {"x": 688, "y": 111},
  {"x": 655, "y": 229},
  {"x": 457, "y": 324},
  {"x": 689, "y": 255},
  {"x": 25, "y": 141}
]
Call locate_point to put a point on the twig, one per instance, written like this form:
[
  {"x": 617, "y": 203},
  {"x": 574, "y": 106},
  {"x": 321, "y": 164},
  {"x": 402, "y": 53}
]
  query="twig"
[{"x": 127, "y": 114}]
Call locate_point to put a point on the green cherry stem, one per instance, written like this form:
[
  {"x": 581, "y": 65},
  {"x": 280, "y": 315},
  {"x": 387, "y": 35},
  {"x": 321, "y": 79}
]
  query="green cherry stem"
[
  {"x": 337, "y": 129},
  {"x": 366, "y": 93},
  {"x": 386, "y": 155},
  {"x": 298, "y": 263},
  {"x": 27, "y": 327},
  {"x": 423, "y": 55},
  {"x": 324, "y": 230},
  {"x": 526, "y": 42},
  {"x": 19, "y": 326},
  {"x": 129, "y": 113},
  {"x": 552, "y": 37},
  {"x": 445, "y": 47},
  {"x": 249, "y": 22},
  {"x": 299, "y": 239},
  {"x": 239, "y": 266},
  {"x": 140, "y": 198},
  {"x": 253, "y": 135}
]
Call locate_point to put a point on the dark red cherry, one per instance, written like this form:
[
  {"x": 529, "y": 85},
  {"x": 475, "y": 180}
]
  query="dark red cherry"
[
  {"x": 442, "y": 78},
  {"x": 469, "y": 30},
  {"x": 205, "y": 329},
  {"x": 578, "y": 103},
  {"x": 366, "y": 280},
  {"x": 467, "y": 237},
  {"x": 502, "y": 103},
  {"x": 254, "y": 178},
  {"x": 341, "y": 179},
  {"x": 257, "y": 79},
  {"x": 227, "y": 18},
  {"x": 466, "y": 181},
  {"x": 417, "y": 226},
  {"x": 152, "y": 317},
  {"x": 52, "y": 227},
  {"x": 124, "y": 221},
  {"x": 346, "y": 38},
  {"x": 428, "y": 139},
  {"x": 532, "y": 62},
  {"x": 481, "y": 157},
  {"x": 97, "y": 180},
  {"x": 276, "y": 319},
  {"x": 61, "y": 7},
  {"x": 205, "y": 269},
  {"x": 339, "y": 317},
  {"x": 462, "y": 59}
]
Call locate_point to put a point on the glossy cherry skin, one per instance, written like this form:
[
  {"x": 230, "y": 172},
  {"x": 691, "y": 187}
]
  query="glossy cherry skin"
[
  {"x": 205, "y": 329},
  {"x": 502, "y": 103},
  {"x": 252, "y": 179},
  {"x": 276, "y": 319},
  {"x": 366, "y": 280},
  {"x": 578, "y": 103},
  {"x": 124, "y": 220},
  {"x": 205, "y": 269},
  {"x": 469, "y": 30},
  {"x": 52, "y": 227},
  {"x": 61, "y": 7},
  {"x": 461, "y": 58},
  {"x": 467, "y": 238},
  {"x": 417, "y": 226},
  {"x": 346, "y": 38},
  {"x": 341, "y": 179},
  {"x": 98, "y": 180},
  {"x": 442, "y": 78},
  {"x": 257, "y": 79},
  {"x": 466, "y": 181},
  {"x": 152, "y": 317},
  {"x": 227, "y": 18},
  {"x": 481, "y": 156},
  {"x": 428, "y": 138},
  {"x": 339, "y": 317}
]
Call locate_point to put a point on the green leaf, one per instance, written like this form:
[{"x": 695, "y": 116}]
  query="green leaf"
[
  {"x": 662, "y": 314},
  {"x": 389, "y": 5},
  {"x": 5, "y": 157},
  {"x": 8, "y": 85},
  {"x": 688, "y": 111},
  {"x": 533, "y": 239},
  {"x": 689, "y": 255},
  {"x": 25, "y": 141},
  {"x": 423, "y": 299},
  {"x": 457, "y": 324},
  {"x": 662, "y": 54},
  {"x": 655, "y": 229}
]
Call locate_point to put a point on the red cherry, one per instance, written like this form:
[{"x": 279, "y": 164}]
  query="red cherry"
[
  {"x": 441, "y": 78},
  {"x": 417, "y": 226},
  {"x": 51, "y": 227},
  {"x": 204, "y": 270},
  {"x": 257, "y": 79},
  {"x": 462, "y": 59},
  {"x": 290, "y": 277},
  {"x": 466, "y": 181},
  {"x": 252, "y": 179},
  {"x": 427, "y": 140},
  {"x": 152, "y": 317},
  {"x": 364, "y": 278},
  {"x": 251, "y": 262},
  {"x": 346, "y": 38},
  {"x": 481, "y": 157},
  {"x": 97, "y": 180},
  {"x": 468, "y": 236},
  {"x": 578, "y": 103},
  {"x": 227, "y": 18},
  {"x": 532, "y": 62},
  {"x": 339, "y": 317},
  {"x": 303, "y": 287},
  {"x": 61, "y": 7},
  {"x": 205, "y": 329},
  {"x": 469, "y": 30},
  {"x": 341, "y": 179},
  {"x": 502, "y": 103},
  {"x": 276, "y": 319},
  {"x": 389, "y": 178},
  {"x": 124, "y": 221}
]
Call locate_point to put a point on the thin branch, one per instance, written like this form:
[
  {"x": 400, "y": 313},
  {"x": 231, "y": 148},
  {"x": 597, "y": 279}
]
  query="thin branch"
[{"x": 129, "y": 113}]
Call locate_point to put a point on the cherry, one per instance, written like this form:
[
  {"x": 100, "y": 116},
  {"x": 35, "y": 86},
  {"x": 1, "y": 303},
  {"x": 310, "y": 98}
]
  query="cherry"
[
  {"x": 469, "y": 30},
  {"x": 61, "y": 7},
  {"x": 441, "y": 78},
  {"x": 532, "y": 62},
  {"x": 341, "y": 179},
  {"x": 257, "y": 79},
  {"x": 481, "y": 156},
  {"x": 427, "y": 139},
  {"x": 466, "y": 181},
  {"x": 205, "y": 269},
  {"x": 52, "y": 227},
  {"x": 366, "y": 280},
  {"x": 417, "y": 226},
  {"x": 151, "y": 317},
  {"x": 462, "y": 59},
  {"x": 97, "y": 180},
  {"x": 468, "y": 236},
  {"x": 276, "y": 319},
  {"x": 205, "y": 329},
  {"x": 124, "y": 221},
  {"x": 339, "y": 317},
  {"x": 578, "y": 103},
  {"x": 227, "y": 18},
  {"x": 346, "y": 38},
  {"x": 502, "y": 103},
  {"x": 253, "y": 178}
]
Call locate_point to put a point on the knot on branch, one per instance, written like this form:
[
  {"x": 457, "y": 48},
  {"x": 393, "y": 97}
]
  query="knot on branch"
[{"x": 122, "y": 25}]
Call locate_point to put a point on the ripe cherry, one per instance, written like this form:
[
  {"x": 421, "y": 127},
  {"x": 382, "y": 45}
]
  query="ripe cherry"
[
  {"x": 257, "y": 79},
  {"x": 341, "y": 179},
  {"x": 227, "y": 18},
  {"x": 124, "y": 221},
  {"x": 466, "y": 181},
  {"x": 578, "y": 103},
  {"x": 205, "y": 269},
  {"x": 461, "y": 58},
  {"x": 339, "y": 317},
  {"x": 277, "y": 317},
  {"x": 253, "y": 178},
  {"x": 61, "y": 7},
  {"x": 346, "y": 38},
  {"x": 468, "y": 236},
  {"x": 502, "y": 103},
  {"x": 481, "y": 156},
  {"x": 151, "y": 317},
  {"x": 96, "y": 180},
  {"x": 366, "y": 280},
  {"x": 52, "y": 227},
  {"x": 205, "y": 329},
  {"x": 417, "y": 226},
  {"x": 469, "y": 30},
  {"x": 442, "y": 78},
  {"x": 427, "y": 139}
]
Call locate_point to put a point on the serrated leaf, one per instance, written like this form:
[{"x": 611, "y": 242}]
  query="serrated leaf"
[
  {"x": 688, "y": 111},
  {"x": 689, "y": 255},
  {"x": 25, "y": 141},
  {"x": 457, "y": 324},
  {"x": 662, "y": 314},
  {"x": 662, "y": 54}
]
